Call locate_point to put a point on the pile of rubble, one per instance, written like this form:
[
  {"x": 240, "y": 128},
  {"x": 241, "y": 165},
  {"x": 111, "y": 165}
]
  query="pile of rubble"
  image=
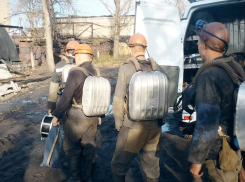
[{"x": 11, "y": 83}]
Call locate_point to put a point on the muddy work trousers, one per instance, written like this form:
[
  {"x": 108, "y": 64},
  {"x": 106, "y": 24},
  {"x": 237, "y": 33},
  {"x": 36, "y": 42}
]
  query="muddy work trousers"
[
  {"x": 130, "y": 143},
  {"x": 218, "y": 175},
  {"x": 79, "y": 135},
  {"x": 176, "y": 151}
]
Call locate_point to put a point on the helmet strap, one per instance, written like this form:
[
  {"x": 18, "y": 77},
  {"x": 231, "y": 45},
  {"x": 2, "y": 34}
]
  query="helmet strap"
[
  {"x": 226, "y": 45},
  {"x": 147, "y": 52},
  {"x": 200, "y": 24}
]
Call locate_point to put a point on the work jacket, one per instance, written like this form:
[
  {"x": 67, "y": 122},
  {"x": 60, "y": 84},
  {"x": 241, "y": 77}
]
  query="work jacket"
[
  {"x": 73, "y": 89},
  {"x": 125, "y": 74},
  {"x": 214, "y": 108}
]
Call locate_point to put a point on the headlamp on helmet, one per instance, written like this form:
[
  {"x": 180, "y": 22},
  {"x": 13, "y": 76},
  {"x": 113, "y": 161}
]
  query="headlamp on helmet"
[{"x": 209, "y": 38}]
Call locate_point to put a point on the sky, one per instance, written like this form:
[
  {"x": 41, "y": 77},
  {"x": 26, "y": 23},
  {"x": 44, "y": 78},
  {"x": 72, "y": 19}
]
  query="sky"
[
  {"x": 91, "y": 8},
  {"x": 96, "y": 8},
  {"x": 83, "y": 8}
]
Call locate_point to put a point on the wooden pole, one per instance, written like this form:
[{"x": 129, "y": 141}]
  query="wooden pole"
[{"x": 32, "y": 58}]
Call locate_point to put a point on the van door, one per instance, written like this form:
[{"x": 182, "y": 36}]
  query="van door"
[{"x": 160, "y": 24}]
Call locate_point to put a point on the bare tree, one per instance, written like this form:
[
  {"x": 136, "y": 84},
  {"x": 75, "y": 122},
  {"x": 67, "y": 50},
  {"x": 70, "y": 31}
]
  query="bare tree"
[
  {"x": 48, "y": 36},
  {"x": 35, "y": 13},
  {"x": 50, "y": 24},
  {"x": 29, "y": 11},
  {"x": 62, "y": 8},
  {"x": 180, "y": 4},
  {"x": 118, "y": 9}
]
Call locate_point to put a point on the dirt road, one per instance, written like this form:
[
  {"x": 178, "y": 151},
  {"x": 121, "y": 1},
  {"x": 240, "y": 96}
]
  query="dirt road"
[{"x": 21, "y": 148}]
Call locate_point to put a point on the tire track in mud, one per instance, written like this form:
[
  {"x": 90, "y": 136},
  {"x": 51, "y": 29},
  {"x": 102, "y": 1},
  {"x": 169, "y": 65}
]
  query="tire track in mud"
[
  {"x": 21, "y": 150},
  {"x": 19, "y": 133},
  {"x": 15, "y": 157}
]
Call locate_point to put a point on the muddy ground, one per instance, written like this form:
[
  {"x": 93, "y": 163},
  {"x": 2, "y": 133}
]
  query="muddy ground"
[{"x": 21, "y": 147}]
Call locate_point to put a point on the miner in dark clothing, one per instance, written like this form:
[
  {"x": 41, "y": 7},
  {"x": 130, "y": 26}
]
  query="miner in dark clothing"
[
  {"x": 214, "y": 105},
  {"x": 80, "y": 130},
  {"x": 135, "y": 137},
  {"x": 56, "y": 80}
]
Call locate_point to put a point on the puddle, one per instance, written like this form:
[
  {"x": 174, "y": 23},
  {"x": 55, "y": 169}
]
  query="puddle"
[
  {"x": 28, "y": 101},
  {"x": 43, "y": 99}
]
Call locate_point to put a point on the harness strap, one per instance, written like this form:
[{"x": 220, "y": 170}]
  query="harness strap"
[
  {"x": 125, "y": 107},
  {"x": 136, "y": 63},
  {"x": 97, "y": 71},
  {"x": 66, "y": 59},
  {"x": 86, "y": 74},
  {"x": 76, "y": 105},
  {"x": 153, "y": 64},
  {"x": 80, "y": 69}
]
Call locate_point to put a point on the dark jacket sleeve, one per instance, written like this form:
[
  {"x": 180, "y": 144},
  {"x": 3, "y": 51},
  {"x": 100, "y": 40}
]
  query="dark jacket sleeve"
[
  {"x": 208, "y": 100},
  {"x": 67, "y": 96},
  {"x": 53, "y": 89},
  {"x": 118, "y": 100}
]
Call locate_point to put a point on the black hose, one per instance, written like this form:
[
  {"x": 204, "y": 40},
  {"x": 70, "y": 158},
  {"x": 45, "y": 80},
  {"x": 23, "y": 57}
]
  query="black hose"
[
  {"x": 221, "y": 64},
  {"x": 240, "y": 70},
  {"x": 11, "y": 67}
]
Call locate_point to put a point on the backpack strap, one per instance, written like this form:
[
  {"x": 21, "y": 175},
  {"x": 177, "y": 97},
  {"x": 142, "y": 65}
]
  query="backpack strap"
[
  {"x": 66, "y": 59},
  {"x": 97, "y": 71},
  {"x": 80, "y": 69},
  {"x": 76, "y": 105},
  {"x": 136, "y": 63},
  {"x": 86, "y": 74},
  {"x": 85, "y": 71},
  {"x": 153, "y": 64}
]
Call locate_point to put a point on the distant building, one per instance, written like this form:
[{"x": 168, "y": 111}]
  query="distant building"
[
  {"x": 5, "y": 12},
  {"x": 97, "y": 31},
  {"x": 93, "y": 27}
]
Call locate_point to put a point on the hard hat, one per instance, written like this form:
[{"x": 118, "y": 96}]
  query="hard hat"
[
  {"x": 137, "y": 40},
  {"x": 71, "y": 45},
  {"x": 82, "y": 49},
  {"x": 215, "y": 35}
]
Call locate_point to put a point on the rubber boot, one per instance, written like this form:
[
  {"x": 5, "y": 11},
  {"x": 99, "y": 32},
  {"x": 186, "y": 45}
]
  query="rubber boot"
[
  {"x": 152, "y": 179},
  {"x": 74, "y": 170},
  {"x": 118, "y": 178},
  {"x": 90, "y": 171}
]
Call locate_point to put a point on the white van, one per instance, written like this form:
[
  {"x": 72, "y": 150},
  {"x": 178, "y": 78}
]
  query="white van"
[{"x": 172, "y": 41}]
